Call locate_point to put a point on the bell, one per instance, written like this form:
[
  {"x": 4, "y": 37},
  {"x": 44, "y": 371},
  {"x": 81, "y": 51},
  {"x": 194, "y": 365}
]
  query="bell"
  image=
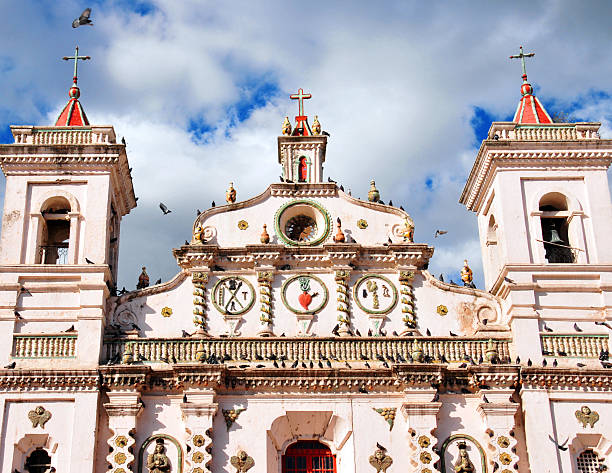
[{"x": 554, "y": 236}]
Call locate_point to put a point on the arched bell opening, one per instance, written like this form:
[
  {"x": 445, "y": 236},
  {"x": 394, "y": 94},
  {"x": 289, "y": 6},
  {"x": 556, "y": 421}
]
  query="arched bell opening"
[
  {"x": 55, "y": 232},
  {"x": 555, "y": 228},
  {"x": 39, "y": 461}
]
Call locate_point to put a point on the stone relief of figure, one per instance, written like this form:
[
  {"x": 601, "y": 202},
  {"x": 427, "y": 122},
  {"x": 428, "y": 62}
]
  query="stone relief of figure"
[
  {"x": 587, "y": 417},
  {"x": 463, "y": 463},
  {"x": 380, "y": 460},
  {"x": 242, "y": 462},
  {"x": 158, "y": 462}
]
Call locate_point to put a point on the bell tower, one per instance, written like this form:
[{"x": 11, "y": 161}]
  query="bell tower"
[
  {"x": 67, "y": 188},
  {"x": 540, "y": 190},
  {"x": 301, "y": 149}
]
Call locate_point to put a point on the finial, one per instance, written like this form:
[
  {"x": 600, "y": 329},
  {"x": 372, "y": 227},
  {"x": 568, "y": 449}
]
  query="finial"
[
  {"x": 287, "y": 127},
  {"x": 339, "y": 237},
  {"x": 526, "y": 88},
  {"x": 408, "y": 231},
  {"x": 74, "y": 90},
  {"x": 265, "y": 238},
  {"x": 230, "y": 194},
  {"x": 143, "y": 279},
  {"x": 300, "y": 97},
  {"x": 373, "y": 194},
  {"x": 316, "y": 126},
  {"x": 466, "y": 275}
]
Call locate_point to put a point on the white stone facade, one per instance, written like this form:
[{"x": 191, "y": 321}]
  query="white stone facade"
[{"x": 307, "y": 335}]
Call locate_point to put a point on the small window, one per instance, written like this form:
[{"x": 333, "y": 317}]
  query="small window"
[
  {"x": 589, "y": 462},
  {"x": 38, "y": 462},
  {"x": 308, "y": 456}
]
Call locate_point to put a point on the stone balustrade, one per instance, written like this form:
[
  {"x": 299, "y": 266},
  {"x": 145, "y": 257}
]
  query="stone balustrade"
[
  {"x": 345, "y": 349},
  {"x": 574, "y": 345},
  {"x": 549, "y": 132},
  {"x": 44, "y": 346},
  {"x": 63, "y": 135}
]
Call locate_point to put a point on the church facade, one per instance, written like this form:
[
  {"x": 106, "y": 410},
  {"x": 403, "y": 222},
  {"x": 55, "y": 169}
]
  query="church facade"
[{"x": 302, "y": 332}]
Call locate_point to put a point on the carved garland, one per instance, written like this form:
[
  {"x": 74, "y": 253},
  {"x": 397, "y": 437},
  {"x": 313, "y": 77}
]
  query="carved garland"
[
  {"x": 200, "y": 280},
  {"x": 344, "y": 313},
  {"x": 265, "y": 278},
  {"x": 407, "y": 299}
]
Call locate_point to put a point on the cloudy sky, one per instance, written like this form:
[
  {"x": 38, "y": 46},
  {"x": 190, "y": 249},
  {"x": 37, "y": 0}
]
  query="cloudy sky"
[{"x": 199, "y": 89}]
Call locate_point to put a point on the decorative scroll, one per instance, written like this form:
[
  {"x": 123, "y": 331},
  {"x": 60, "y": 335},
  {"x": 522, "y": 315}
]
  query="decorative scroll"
[
  {"x": 342, "y": 279},
  {"x": 199, "y": 300},
  {"x": 264, "y": 279},
  {"x": 407, "y": 300}
]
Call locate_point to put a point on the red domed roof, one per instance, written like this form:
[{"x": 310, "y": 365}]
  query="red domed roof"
[
  {"x": 529, "y": 109},
  {"x": 73, "y": 113}
]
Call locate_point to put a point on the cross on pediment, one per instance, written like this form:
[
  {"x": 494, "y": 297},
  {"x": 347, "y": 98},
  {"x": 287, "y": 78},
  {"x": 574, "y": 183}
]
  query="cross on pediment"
[
  {"x": 522, "y": 57},
  {"x": 300, "y": 97},
  {"x": 76, "y": 58}
]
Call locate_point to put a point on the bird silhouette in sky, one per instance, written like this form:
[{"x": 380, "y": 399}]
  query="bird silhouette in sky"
[
  {"x": 83, "y": 19},
  {"x": 164, "y": 209}
]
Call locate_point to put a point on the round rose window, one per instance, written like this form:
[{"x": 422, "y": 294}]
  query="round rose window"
[{"x": 302, "y": 223}]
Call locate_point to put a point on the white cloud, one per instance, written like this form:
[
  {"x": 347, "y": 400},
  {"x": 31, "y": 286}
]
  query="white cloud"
[{"x": 395, "y": 85}]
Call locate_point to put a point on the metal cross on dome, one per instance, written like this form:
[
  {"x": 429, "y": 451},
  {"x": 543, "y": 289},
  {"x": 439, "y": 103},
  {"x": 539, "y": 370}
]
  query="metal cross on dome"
[
  {"x": 522, "y": 57},
  {"x": 300, "y": 96},
  {"x": 76, "y": 58}
]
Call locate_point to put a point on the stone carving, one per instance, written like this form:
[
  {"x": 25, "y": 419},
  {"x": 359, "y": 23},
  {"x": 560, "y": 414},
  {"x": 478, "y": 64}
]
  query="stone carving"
[
  {"x": 243, "y": 225},
  {"x": 230, "y": 194},
  {"x": 242, "y": 462},
  {"x": 199, "y": 300},
  {"x": 491, "y": 353},
  {"x": 373, "y": 194},
  {"x": 342, "y": 291},
  {"x": 286, "y": 126},
  {"x": 231, "y": 415},
  {"x": 316, "y": 126},
  {"x": 586, "y": 416},
  {"x": 463, "y": 463},
  {"x": 204, "y": 234},
  {"x": 388, "y": 413},
  {"x": 158, "y": 462},
  {"x": 503, "y": 441},
  {"x": 143, "y": 279},
  {"x": 380, "y": 460},
  {"x": 375, "y": 294},
  {"x": 264, "y": 279},
  {"x": 233, "y": 295},
  {"x": 362, "y": 224},
  {"x": 125, "y": 319},
  {"x": 442, "y": 310},
  {"x": 407, "y": 295},
  {"x": 166, "y": 312},
  {"x": 466, "y": 275},
  {"x": 424, "y": 441},
  {"x": 505, "y": 458},
  {"x": 39, "y": 416}
]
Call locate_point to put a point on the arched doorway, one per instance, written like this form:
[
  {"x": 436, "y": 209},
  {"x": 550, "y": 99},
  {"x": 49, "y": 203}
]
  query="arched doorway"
[{"x": 308, "y": 456}]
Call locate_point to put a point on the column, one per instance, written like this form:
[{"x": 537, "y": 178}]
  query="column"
[
  {"x": 200, "y": 279},
  {"x": 343, "y": 307},
  {"x": 264, "y": 279},
  {"x": 538, "y": 425},
  {"x": 198, "y": 413},
  {"x": 421, "y": 414},
  {"x": 122, "y": 410},
  {"x": 498, "y": 416}
]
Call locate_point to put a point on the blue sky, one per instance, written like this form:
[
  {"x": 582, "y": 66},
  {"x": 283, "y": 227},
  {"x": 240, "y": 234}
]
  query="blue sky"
[{"x": 199, "y": 89}]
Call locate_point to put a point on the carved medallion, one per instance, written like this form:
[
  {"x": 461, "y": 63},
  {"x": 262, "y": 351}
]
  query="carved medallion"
[
  {"x": 197, "y": 457},
  {"x": 166, "y": 312},
  {"x": 198, "y": 440},
  {"x": 425, "y": 457},
  {"x": 587, "y": 417},
  {"x": 442, "y": 310},
  {"x": 204, "y": 234},
  {"x": 198, "y": 470},
  {"x": 121, "y": 441},
  {"x": 503, "y": 442},
  {"x": 242, "y": 462},
  {"x": 233, "y": 295},
  {"x": 39, "y": 416},
  {"x": 424, "y": 441},
  {"x": 362, "y": 223},
  {"x": 505, "y": 458},
  {"x": 243, "y": 225},
  {"x": 120, "y": 458},
  {"x": 375, "y": 294},
  {"x": 305, "y": 294}
]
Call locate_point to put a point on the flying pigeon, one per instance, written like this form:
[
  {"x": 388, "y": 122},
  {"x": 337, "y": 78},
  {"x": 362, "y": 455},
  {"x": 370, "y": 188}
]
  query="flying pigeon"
[
  {"x": 440, "y": 232},
  {"x": 83, "y": 19},
  {"x": 164, "y": 209}
]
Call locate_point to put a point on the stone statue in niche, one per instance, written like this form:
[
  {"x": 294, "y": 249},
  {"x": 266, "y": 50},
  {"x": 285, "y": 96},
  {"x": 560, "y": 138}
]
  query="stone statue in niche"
[
  {"x": 158, "y": 462},
  {"x": 463, "y": 463}
]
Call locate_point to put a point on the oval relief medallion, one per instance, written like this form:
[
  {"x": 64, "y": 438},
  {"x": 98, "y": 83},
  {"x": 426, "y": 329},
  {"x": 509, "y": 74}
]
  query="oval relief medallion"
[
  {"x": 304, "y": 294},
  {"x": 375, "y": 294},
  {"x": 233, "y": 295}
]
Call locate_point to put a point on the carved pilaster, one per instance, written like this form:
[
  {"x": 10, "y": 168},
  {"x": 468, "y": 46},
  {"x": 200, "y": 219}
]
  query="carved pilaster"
[
  {"x": 198, "y": 413},
  {"x": 422, "y": 420},
  {"x": 200, "y": 279},
  {"x": 264, "y": 279},
  {"x": 122, "y": 410},
  {"x": 407, "y": 300},
  {"x": 343, "y": 308},
  {"x": 498, "y": 415}
]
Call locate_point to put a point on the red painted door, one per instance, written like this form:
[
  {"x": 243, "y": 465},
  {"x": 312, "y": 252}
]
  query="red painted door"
[{"x": 309, "y": 456}]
